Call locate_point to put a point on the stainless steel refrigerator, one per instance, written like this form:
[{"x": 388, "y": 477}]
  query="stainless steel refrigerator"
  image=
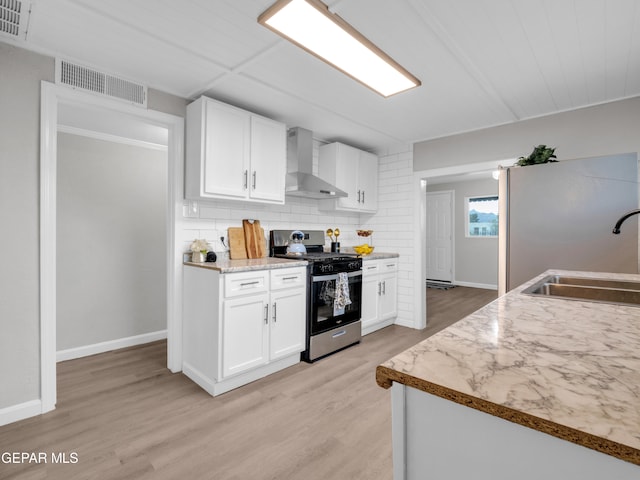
[{"x": 561, "y": 215}]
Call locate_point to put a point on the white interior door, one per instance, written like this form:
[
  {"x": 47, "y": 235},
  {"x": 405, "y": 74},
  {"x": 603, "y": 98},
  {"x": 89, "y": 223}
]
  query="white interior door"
[{"x": 439, "y": 236}]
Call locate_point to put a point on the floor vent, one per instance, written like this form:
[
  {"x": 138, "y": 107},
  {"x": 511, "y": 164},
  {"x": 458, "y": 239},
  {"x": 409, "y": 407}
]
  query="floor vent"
[
  {"x": 91, "y": 80},
  {"x": 14, "y": 16}
]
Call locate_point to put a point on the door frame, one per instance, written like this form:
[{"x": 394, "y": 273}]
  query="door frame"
[
  {"x": 51, "y": 97},
  {"x": 452, "y": 233},
  {"x": 420, "y": 180}
]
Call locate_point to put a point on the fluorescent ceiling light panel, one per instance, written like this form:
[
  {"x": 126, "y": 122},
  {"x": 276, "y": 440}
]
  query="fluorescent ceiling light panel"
[{"x": 310, "y": 25}]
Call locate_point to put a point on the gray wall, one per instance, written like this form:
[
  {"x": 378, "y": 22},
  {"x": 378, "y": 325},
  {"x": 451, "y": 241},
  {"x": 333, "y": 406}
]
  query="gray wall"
[
  {"x": 588, "y": 132},
  {"x": 476, "y": 259},
  {"x": 20, "y": 76},
  {"x": 21, "y": 72},
  {"x": 111, "y": 241}
]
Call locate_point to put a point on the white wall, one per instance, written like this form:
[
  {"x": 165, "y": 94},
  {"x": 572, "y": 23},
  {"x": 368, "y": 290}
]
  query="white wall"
[
  {"x": 111, "y": 241},
  {"x": 393, "y": 224},
  {"x": 476, "y": 259}
]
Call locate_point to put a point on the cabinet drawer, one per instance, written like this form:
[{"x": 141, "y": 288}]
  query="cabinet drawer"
[
  {"x": 288, "y": 278},
  {"x": 245, "y": 283},
  {"x": 387, "y": 266},
  {"x": 370, "y": 267}
]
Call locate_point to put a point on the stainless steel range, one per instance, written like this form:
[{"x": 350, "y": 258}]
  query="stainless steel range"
[{"x": 334, "y": 293}]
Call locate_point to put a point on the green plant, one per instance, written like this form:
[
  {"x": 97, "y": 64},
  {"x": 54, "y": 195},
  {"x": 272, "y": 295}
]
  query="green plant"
[{"x": 540, "y": 154}]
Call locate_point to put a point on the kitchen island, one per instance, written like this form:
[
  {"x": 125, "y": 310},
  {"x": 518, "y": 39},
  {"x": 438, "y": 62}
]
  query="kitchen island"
[{"x": 527, "y": 387}]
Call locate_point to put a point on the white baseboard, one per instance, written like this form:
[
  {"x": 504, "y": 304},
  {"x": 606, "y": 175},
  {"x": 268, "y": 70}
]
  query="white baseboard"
[
  {"x": 18, "y": 412},
  {"x": 405, "y": 323},
  {"x": 366, "y": 330},
  {"x": 213, "y": 387},
  {"x": 486, "y": 286},
  {"x": 85, "y": 351}
]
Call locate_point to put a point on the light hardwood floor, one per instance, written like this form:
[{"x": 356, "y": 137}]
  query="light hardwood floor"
[{"x": 127, "y": 417}]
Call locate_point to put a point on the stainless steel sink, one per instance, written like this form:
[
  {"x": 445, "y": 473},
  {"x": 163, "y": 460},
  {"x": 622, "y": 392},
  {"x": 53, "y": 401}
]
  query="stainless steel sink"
[
  {"x": 593, "y": 282},
  {"x": 602, "y": 290}
]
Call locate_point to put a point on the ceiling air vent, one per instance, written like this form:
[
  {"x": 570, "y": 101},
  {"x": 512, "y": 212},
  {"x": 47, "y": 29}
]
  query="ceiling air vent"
[
  {"x": 14, "y": 16},
  {"x": 89, "y": 79}
]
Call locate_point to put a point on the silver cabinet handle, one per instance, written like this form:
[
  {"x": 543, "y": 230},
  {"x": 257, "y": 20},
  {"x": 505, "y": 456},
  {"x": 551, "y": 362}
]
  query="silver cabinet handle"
[
  {"x": 379, "y": 288},
  {"x": 384, "y": 287},
  {"x": 266, "y": 314},
  {"x": 362, "y": 196},
  {"x": 284, "y": 279},
  {"x": 358, "y": 196},
  {"x": 253, "y": 175},
  {"x": 246, "y": 179},
  {"x": 245, "y": 284},
  {"x": 275, "y": 312}
]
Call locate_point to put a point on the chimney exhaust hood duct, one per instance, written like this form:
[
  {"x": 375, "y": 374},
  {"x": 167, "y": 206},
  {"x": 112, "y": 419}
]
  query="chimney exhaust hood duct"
[{"x": 300, "y": 180}]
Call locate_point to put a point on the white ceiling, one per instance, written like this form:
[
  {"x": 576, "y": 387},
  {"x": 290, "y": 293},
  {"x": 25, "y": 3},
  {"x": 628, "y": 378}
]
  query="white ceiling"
[{"x": 481, "y": 62}]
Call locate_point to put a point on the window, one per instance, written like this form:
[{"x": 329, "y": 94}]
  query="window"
[{"x": 482, "y": 216}]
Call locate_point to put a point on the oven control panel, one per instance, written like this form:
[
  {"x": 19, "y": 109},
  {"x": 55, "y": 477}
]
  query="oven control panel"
[{"x": 336, "y": 266}]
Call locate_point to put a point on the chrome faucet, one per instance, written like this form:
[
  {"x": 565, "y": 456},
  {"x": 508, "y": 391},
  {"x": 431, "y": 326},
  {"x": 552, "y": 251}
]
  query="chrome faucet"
[{"x": 616, "y": 229}]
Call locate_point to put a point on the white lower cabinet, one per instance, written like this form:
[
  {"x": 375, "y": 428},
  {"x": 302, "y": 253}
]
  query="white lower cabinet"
[
  {"x": 379, "y": 294},
  {"x": 239, "y": 327}
]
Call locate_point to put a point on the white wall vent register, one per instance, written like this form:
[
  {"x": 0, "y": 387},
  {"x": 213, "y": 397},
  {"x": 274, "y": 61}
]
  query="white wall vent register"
[
  {"x": 14, "y": 18},
  {"x": 89, "y": 79}
]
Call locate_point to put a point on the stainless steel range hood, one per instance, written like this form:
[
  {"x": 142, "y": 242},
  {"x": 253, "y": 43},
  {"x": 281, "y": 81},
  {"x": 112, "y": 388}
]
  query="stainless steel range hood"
[{"x": 301, "y": 182}]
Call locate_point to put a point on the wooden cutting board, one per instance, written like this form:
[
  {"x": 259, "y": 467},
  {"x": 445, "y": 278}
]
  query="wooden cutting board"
[
  {"x": 237, "y": 247},
  {"x": 254, "y": 238}
]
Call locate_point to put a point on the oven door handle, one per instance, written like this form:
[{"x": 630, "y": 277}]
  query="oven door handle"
[{"x": 326, "y": 278}]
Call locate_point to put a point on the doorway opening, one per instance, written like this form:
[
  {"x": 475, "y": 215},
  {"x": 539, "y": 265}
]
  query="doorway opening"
[
  {"x": 111, "y": 118},
  {"x": 425, "y": 180},
  {"x": 111, "y": 240}
]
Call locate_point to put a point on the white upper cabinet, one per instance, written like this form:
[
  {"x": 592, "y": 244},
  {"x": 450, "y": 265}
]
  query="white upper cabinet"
[
  {"x": 268, "y": 159},
  {"x": 352, "y": 170},
  {"x": 234, "y": 154}
]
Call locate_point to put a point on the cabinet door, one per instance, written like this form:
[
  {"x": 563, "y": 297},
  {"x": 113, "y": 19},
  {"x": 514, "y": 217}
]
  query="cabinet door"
[
  {"x": 287, "y": 331},
  {"x": 368, "y": 182},
  {"x": 347, "y": 175},
  {"x": 245, "y": 334},
  {"x": 352, "y": 170},
  {"x": 370, "y": 300},
  {"x": 226, "y": 152},
  {"x": 268, "y": 160},
  {"x": 388, "y": 296}
]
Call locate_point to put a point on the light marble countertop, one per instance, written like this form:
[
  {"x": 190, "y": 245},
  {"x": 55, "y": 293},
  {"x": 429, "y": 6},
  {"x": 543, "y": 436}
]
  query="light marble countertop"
[
  {"x": 564, "y": 367},
  {"x": 232, "y": 266}
]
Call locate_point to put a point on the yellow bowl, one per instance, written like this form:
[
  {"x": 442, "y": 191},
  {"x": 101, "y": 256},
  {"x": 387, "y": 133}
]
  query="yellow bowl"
[{"x": 363, "y": 249}]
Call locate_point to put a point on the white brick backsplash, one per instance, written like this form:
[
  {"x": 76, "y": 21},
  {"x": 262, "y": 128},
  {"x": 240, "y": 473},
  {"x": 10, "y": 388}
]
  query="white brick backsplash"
[{"x": 393, "y": 224}]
